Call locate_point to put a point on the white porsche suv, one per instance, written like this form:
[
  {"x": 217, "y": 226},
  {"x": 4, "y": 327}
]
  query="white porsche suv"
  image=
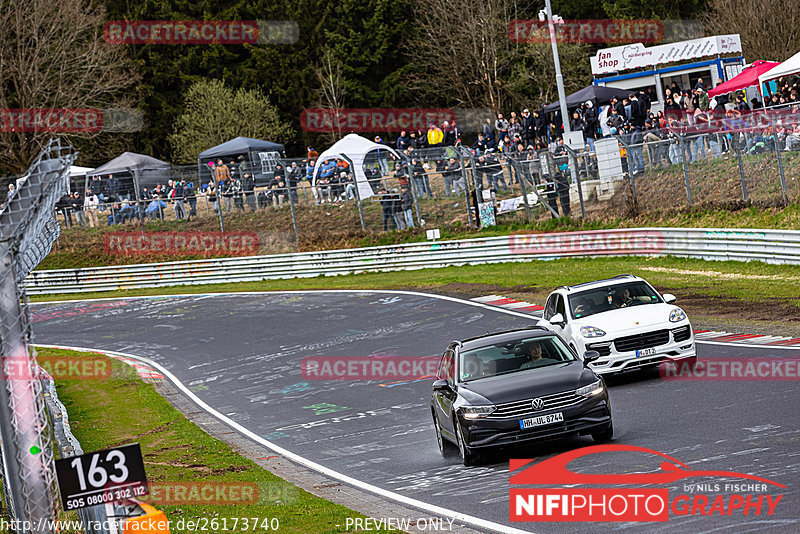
[{"x": 625, "y": 320}]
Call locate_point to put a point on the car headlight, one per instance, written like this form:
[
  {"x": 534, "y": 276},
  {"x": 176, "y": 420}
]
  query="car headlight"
[
  {"x": 676, "y": 315},
  {"x": 595, "y": 388},
  {"x": 474, "y": 412},
  {"x": 591, "y": 331}
]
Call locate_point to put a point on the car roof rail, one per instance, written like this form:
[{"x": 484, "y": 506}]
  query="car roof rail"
[
  {"x": 563, "y": 287},
  {"x": 529, "y": 327},
  {"x": 490, "y": 334},
  {"x": 624, "y": 276}
]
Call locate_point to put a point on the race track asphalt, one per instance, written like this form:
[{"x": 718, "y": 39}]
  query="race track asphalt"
[{"x": 241, "y": 354}]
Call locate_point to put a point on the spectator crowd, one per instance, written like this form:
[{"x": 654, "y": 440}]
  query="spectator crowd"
[{"x": 510, "y": 149}]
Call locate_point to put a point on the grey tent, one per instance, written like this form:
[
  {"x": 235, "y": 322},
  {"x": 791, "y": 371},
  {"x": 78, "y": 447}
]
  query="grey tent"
[
  {"x": 140, "y": 170},
  {"x": 598, "y": 94},
  {"x": 263, "y": 156}
]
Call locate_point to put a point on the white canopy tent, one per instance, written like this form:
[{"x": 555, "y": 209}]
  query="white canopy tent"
[
  {"x": 787, "y": 68},
  {"x": 354, "y": 148},
  {"x": 75, "y": 170},
  {"x": 75, "y": 173}
]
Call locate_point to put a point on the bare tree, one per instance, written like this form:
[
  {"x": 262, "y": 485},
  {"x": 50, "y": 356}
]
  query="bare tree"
[
  {"x": 769, "y": 30},
  {"x": 532, "y": 77},
  {"x": 464, "y": 46},
  {"x": 332, "y": 90},
  {"x": 52, "y": 55}
]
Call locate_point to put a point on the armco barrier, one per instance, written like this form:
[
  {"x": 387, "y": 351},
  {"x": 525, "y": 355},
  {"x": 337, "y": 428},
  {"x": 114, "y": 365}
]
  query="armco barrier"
[{"x": 772, "y": 246}]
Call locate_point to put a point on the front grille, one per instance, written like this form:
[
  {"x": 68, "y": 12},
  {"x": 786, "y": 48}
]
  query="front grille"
[
  {"x": 523, "y": 407},
  {"x": 642, "y": 341},
  {"x": 584, "y": 422},
  {"x": 681, "y": 334},
  {"x": 604, "y": 349}
]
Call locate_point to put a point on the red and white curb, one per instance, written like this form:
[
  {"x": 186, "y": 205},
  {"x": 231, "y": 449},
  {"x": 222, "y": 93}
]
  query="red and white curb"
[
  {"x": 510, "y": 304},
  {"x": 747, "y": 339},
  {"x": 145, "y": 372},
  {"x": 699, "y": 335}
]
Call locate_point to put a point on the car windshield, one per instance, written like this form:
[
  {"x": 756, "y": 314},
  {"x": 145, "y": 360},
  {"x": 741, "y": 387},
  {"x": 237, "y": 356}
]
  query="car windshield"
[
  {"x": 613, "y": 297},
  {"x": 512, "y": 357}
]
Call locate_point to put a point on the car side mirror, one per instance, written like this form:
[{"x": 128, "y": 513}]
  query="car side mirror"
[
  {"x": 557, "y": 319},
  {"x": 669, "y": 298},
  {"x": 441, "y": 385},
  {"x": 589, "y": 356}
]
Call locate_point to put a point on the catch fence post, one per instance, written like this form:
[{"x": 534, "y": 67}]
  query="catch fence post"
[
  {"x": 291, "y": 202},
  {"x": 738, "y": 151},
  {"x": 466, "y": 188},
  {"x": 686, "y": 172},
  {"x": 524, "y": 188},
  {"x": 780, "y": 171}
]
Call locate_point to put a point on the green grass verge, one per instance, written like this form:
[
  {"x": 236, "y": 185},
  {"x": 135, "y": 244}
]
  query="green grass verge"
[
  {"x": 749, "y": 281},
  {"x": 325, "y": 228},
  {"x": 123, "y": 409}
]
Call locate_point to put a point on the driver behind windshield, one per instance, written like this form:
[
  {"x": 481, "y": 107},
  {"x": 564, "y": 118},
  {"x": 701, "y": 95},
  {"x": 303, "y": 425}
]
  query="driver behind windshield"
[
  {"x": 581, "y": 308},
  {"x": 534, "y": 354},
  {"x": 622, "y": 300}
]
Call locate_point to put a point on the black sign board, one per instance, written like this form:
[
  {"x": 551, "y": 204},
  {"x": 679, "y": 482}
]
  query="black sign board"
[{"x": 100, "y": 477}]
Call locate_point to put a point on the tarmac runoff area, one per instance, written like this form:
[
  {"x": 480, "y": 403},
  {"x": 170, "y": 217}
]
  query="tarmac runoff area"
[{"x": 234, "y": 361}]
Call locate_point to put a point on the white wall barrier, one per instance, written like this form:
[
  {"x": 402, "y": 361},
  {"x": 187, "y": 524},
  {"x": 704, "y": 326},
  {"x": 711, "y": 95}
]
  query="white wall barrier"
[{"x": 771, "y": 246}]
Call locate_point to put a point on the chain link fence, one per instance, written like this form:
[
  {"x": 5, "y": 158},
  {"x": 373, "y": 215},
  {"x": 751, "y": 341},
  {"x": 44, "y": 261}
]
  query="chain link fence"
[
  {"x": 727, "y": 163},
  {"x": 679, "y": 167},
  {"x": 27, "y": 232}
]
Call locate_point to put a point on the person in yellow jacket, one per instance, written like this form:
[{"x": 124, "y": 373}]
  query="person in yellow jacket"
[{"x": 435, "y": 135}]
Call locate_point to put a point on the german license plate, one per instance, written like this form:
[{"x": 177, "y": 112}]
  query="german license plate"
[
  {"x": 541, "y": 420},
  {"x": 645, "y": 352}
]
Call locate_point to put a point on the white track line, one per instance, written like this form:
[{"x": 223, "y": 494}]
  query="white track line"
[
  {"x": 391, "y": 291},
  {"x": 458, "y": 516},
  {"x": 487, "y": 298},
  {"x": 303, "y": 291},
  {"x": 766, "y": 339},
  {"x": 482, "y": 523},
  {"x": 706, "y": 338},
  {"x": 758, "y": 346}
]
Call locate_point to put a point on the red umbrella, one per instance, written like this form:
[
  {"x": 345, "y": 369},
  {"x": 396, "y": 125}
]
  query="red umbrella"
[{"x": 748, "y": 77}]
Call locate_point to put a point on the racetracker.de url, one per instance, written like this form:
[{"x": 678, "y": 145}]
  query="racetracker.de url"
[{"x": 148, "y": 524}]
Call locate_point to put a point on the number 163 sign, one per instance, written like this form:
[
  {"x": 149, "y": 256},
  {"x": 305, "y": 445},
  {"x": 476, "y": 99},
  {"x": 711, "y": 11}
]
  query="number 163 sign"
[{"x": 101, "y": 477}]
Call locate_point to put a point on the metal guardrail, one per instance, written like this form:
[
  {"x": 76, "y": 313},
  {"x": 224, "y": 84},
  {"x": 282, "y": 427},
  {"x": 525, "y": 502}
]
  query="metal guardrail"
[{"x": 771, "y": 246}]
